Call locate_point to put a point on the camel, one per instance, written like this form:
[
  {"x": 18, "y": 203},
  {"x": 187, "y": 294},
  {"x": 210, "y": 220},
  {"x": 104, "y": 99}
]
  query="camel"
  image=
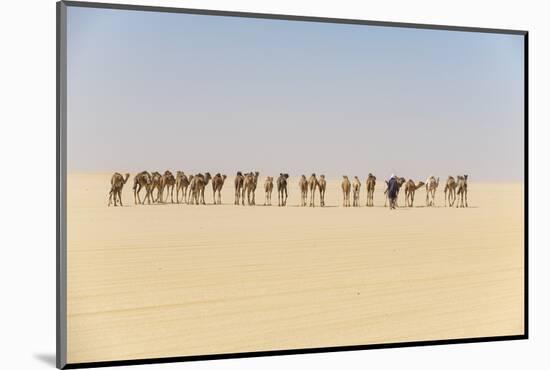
[
  {"x": 182, "y": 183},
  {"x": 196, "y": 188},
  {"x": 217, "y": 185},
  {"x": 346, "y": 187},
  {"x": 249, "y": 187},
  {"x": 167, "y": 182},
  {"x": 254, "y": 186},
  {"x": 155, "y": 184},
  {"x": 142, "y": 180},
  {"x": 117, "y": 183},
  {"x": 356, "y": 187},
  {"x": 201, "y": 185},
  {"x": 322, "y": 188},
  {"x": 282, "y": 192},
  {"x": 410, "y": 189},
  {"x": 431, "y": 185},
  {"x": 450, "y": 191},
  {"x": 369, "y": 185},
  {"x": 312, "y": 184},
  {"x": 239, "y": 182},
  {"x": 462, "y": 191},
  {"x": 303, "y": 190},
  {"x": 268, "y": 187},
  {"x": 400, "y": 182}
]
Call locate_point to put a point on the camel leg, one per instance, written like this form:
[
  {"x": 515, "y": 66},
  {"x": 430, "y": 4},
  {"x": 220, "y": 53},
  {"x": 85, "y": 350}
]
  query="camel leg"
[{"x": 466, "y": 197}]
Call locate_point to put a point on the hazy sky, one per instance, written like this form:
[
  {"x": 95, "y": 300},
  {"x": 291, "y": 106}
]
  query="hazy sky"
[{"x": 155, "y": 91}]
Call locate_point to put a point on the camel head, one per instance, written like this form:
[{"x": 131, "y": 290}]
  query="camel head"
[
  {"x": 465, "y": 177},
  {"x": 437, "y": 182},
  {"x": 286, "y": 176},
  {"x": 224, "y": 177},
  {"x": 126, "y": 177},
  {"x": 313, "y": 175},
  {"x": 322, "y": 176},
  {"x": 207, "y": 177},
  {"x": 239, "y": 173}
]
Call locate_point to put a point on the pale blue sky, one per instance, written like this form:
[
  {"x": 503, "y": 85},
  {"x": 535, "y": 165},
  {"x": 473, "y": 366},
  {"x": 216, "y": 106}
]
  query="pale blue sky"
[{"x": 156, "y": 91}]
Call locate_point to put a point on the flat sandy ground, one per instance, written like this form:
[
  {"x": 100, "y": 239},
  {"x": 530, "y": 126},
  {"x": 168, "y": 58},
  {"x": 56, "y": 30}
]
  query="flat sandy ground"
[{"x": 176, "y": 280}]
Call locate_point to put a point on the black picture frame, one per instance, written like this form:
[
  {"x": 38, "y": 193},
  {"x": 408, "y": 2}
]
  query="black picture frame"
[{"x": 61, "y": 176}]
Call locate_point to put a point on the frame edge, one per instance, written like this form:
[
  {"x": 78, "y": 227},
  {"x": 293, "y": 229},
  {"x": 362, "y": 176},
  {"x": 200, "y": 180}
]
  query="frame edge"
[{"x": 61, "y": 179}]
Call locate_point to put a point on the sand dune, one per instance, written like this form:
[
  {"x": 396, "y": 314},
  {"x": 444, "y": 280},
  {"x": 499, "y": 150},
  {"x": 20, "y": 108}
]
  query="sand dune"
[{"x": 175, "y": 280}]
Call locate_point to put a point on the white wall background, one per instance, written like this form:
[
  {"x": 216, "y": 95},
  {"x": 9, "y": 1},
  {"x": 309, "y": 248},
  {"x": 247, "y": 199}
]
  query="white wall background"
[{"x": 27, "y": 152}]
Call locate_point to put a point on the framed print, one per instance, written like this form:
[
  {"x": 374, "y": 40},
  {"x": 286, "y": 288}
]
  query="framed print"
[{"x": 238, "y": 184}]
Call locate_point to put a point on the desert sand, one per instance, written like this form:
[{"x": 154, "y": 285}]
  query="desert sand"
[{"x": 177, "y": 280}]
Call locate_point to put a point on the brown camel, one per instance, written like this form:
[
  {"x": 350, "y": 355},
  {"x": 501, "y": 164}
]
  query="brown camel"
[
  {"x": 369, "y": 185},
  {"x": 182, "y": 183},
  {"x": 282, "y": 192},
  {"x": 450, "y": 191},
  {"x": 201, "y": 184},
  {"x": 155, "y": 184},
  {"x": 346, "y": 188},
  {"x": 303, "y": 190},
  {"x": 142, "y": 180},
  {"x": 410, "y": 189},
  {"x": 431, "y": 186},
  {"x": 117, "y": 183},
  {"x": 239, "y": 182},
  {"x": 312, "y": 184},
  {"x": 462, "y": 192},
  {"x": 356, "y": 187},
  {"x": 217, "y": 185},
  {"x": 249, "y": 187},
  {"x": 400, "y": 182},
  {"x": 322, "y": 188},
  {"x": 268, "y": 187},
  {"x": 196, "y": 188},
  {"x": 167, "y": 182}
]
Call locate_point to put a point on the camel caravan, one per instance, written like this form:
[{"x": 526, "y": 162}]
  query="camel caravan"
[{"x": 159, "y": 188}]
